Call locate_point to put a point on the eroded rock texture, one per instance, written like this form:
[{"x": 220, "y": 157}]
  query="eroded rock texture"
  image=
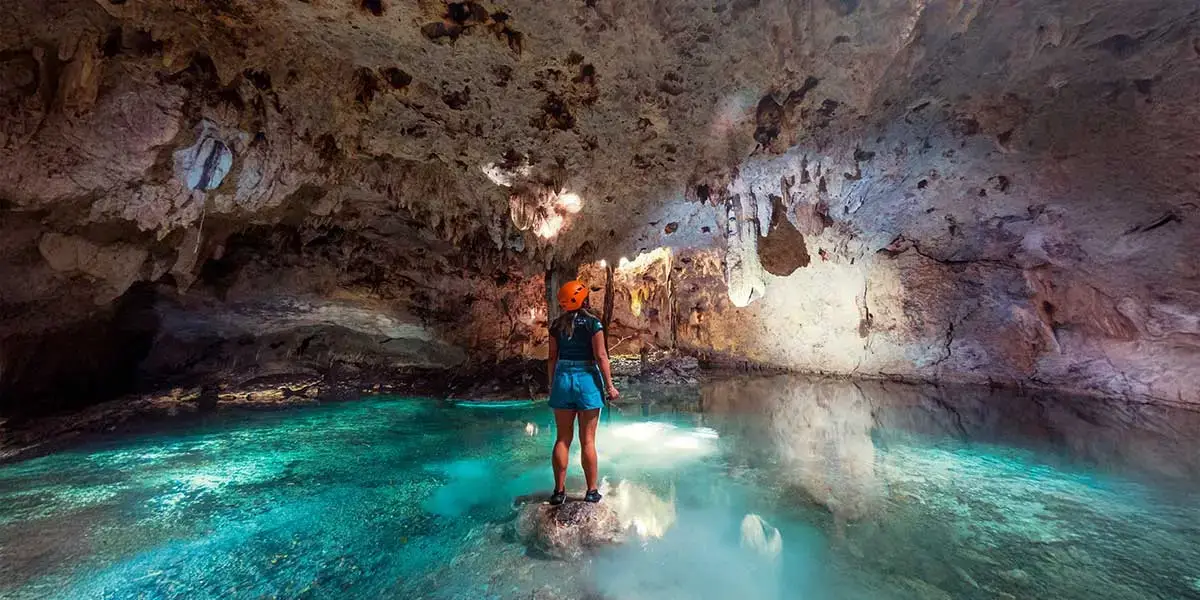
[
  {"x": 569, "y": 530},
  {"x": 968, "y": 190}
]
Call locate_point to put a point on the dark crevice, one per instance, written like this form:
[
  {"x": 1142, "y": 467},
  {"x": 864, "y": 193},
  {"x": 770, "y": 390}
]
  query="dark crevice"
[
  {"x": 1121, "y": 45},
  {"x": 259, "y": 79},
  {"x": 1162, "y": 221},
  {"x": 466, "y": 13},
  {"x": 828, "y": 108},
  {"x": 965, "y": 261},
  {"x": 80, "y": 363},
  {"x": 946, "y": 345},
  {"x": 457, "y": 100},
  {"x": 113, "y": 43},
  {"x": 769, "y": 117},
  {"x": 555, "y": 115},
  {"x": 397, "y": 78},
  {"x": 797, "y": 96},
  {"x": 366, "y": 85},
  {"x": 374, "y": 7},
  {"x": 440, "y": 30}
]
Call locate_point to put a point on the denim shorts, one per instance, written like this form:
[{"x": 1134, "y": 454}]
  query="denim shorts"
[{"x": 577, "y": 386}]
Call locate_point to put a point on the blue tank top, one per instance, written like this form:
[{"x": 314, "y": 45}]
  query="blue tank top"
[{"x": 579, "y": 345}]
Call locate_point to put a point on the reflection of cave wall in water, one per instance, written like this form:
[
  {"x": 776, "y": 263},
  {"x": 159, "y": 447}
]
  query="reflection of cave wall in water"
[
  {"x": 832, "y": 434},
  {"x": 819, "y": 432}
]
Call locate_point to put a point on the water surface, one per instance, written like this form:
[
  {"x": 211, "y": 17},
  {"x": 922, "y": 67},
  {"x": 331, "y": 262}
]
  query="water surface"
[{"x": 748, "y": 488}]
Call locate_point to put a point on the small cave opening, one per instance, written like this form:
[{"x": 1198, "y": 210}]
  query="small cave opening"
[
  {"x": 374, "y": 7},
  {"x": 80, "y": 363}
]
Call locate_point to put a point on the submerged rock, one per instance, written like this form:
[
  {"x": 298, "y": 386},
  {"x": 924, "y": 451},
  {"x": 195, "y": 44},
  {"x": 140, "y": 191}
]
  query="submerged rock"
[
  {"x": 761, "y": 537},
  {"x": 569, "y": 530}
]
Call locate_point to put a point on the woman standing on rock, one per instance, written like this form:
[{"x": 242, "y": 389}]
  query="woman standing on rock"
[{"x": 579, "y": 375}]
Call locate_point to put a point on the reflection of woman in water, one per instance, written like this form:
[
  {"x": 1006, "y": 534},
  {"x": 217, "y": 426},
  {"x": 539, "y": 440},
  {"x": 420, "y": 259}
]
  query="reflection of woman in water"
[{"x": 579, "y": 376}]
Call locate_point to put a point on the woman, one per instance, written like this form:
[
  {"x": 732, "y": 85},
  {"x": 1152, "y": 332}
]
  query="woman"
[{"x": 576, "y": 350}]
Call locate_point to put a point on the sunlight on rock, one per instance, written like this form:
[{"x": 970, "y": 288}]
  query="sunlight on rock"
[
  {"x": 550, "y": 226},
  {"x": 204, "y": 165},
  {"x": 569, "y": 203},
  {"x": 541, "y": 210},
  {"x": 644, "y": 260},
  {"x": 505, "y": 177},
  {"x": 743, "y": 271}
]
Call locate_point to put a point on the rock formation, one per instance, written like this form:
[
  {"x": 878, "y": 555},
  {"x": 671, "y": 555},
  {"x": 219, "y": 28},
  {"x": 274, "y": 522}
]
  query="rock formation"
[
  {"x": 569, "y": 530},
  {"x": 933, "y": 189}
]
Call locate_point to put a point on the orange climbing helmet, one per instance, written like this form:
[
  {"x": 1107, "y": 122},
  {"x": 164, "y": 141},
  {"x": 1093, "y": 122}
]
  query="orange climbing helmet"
[{"x": 572, "y": 294}]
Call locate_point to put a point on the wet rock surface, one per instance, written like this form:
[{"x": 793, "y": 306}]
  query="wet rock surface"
[{"x": 570, "y": 530}]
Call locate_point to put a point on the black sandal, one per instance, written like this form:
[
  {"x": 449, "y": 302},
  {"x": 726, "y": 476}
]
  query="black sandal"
[
  {"x": 558, "y": 497},
  {"x": 593, "y": 496}
]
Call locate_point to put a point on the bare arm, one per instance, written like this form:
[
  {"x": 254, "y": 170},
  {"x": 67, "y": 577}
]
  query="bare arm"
[
  {"x": 551, "y": 361},
  {"x": 601, "y": 354}
]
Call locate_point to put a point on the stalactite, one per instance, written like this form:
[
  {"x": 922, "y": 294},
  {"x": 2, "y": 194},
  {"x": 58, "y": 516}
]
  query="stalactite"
[
  {"x": 608, "y": 304},
  {"x": 743, "y": 272},
  {"x": 672, "y": 305}
]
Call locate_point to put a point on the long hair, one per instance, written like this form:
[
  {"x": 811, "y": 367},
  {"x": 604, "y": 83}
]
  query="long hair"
[{"x": 565, "y": 323}]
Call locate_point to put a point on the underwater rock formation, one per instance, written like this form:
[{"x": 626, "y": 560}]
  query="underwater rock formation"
[
  {"x": 931, "y": 190},
  {"x": 761, "y": 537}
]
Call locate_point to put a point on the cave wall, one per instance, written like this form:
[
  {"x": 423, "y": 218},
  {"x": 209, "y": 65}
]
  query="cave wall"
[
  {"x": 1018, "y": 207},
  {"x": 895, "y": 312},
  {"x": 977, "y": 191}
]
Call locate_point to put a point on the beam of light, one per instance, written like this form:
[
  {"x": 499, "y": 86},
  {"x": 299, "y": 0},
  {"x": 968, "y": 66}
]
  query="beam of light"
[
  {"x": 550, "y": 226},
  {"x": 644, "y": 259},
  {"x": 603, "y": 264},
  {"x": 502, "y": 177},
  {"x": 569, "y": 203}
]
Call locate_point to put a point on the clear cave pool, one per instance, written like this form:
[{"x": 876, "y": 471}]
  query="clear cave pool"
[{"x": 743, "y": 488}]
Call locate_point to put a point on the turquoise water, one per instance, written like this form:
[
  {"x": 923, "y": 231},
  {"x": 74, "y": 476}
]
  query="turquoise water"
[{"x": 765, "y": 488}]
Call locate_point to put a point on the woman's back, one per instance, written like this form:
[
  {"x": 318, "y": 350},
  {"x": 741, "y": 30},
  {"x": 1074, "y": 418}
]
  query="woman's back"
[{"x": 575, "y": 343}]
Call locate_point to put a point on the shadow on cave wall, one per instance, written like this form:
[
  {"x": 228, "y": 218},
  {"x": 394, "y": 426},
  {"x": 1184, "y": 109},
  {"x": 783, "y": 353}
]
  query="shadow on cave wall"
[{"x": 81, "y": 363}]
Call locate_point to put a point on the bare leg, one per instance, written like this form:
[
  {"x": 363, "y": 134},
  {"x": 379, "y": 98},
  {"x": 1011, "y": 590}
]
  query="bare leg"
[
  {"x": 564, "y": 423},
  {"x": 588, "y": 419}
]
